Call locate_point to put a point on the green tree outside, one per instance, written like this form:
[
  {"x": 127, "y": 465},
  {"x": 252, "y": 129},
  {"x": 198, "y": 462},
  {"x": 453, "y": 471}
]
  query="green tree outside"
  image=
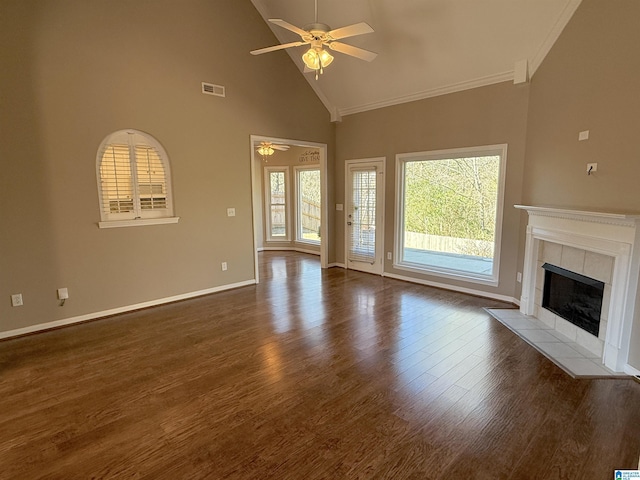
[{"x": 454, "y": 198}]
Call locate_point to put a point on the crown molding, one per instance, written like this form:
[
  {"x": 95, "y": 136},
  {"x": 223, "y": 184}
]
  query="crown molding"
[
  {"x": 553, "y": 35},
  {"x": 434, "y": 92}
]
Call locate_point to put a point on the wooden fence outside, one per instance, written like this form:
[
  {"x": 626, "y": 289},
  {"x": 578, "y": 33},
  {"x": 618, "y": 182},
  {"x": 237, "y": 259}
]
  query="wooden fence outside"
[{"x": 437, "y": 243}]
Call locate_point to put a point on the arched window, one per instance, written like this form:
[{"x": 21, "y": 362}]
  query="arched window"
[{"x": 134, "y": 180}]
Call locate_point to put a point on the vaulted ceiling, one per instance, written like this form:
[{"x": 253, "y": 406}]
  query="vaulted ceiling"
[{"x": 425, "y": 47}]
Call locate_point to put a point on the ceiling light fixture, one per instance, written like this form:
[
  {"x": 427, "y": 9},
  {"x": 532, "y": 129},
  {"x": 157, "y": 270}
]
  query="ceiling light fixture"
[
  {"x": 265, "y": 150},
  {"x": 317, "y": 58},
  {"x": 320, "y": 36}
]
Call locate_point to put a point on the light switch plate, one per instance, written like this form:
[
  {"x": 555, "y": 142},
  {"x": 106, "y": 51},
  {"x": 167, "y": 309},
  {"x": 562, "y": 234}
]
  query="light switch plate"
[{"x": 339, "y": 207}]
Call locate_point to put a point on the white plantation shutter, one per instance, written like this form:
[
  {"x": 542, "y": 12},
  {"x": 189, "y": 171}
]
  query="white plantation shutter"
[
  {"x": 115, "y": 180},
  {"x": 133, "y": 177},
  {"x": 152, "y": 185}
]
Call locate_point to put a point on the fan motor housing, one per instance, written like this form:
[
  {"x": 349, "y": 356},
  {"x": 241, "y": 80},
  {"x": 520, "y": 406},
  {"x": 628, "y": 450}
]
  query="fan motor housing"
[{"x": 317, "y": 29}]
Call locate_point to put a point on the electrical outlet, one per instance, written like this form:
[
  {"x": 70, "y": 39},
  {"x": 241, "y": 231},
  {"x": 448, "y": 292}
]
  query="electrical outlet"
[
  {"x": 63, "y": 293},
  {"x": 16, "y": 300},
  {"x": 519, "y": 277},
  {"x": 592, "y": 168},
  {"x": 224, "y": 266},
  {"x": 231, "y": 212}
]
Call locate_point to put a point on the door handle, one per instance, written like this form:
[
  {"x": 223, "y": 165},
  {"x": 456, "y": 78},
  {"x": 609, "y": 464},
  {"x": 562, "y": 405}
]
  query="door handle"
[{"x": 348, "y": 223}]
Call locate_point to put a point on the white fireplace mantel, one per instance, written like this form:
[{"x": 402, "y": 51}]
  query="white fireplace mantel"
[{"x": 607, "y": 233}]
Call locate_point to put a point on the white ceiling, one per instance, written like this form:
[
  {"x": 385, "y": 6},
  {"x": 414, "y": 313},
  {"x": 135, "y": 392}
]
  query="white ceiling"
[{"x": 425, "y": 47}]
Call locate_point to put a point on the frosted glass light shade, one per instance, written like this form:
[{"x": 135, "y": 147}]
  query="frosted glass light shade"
[
  {"x": 325, "y": 58},
  {"x": 311, "y": 59},
  {"x": 262, "y": 150},
  {"x": 316, "y": 58}
]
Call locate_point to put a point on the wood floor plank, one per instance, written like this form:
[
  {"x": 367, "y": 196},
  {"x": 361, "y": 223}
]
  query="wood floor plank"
[{"x": 309, "y": 375}]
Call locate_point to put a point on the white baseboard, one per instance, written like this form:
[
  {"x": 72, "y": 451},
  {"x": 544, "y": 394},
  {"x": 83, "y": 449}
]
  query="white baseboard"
[
  {"x": 444, "y": 286},
  {"x": 92, "y": 316},
  {"x": 310, "y": 252},
  {"x": 339, "y": 265},
  {"x": 289, "y": 249},
  {"x": 629, "y": 370}
]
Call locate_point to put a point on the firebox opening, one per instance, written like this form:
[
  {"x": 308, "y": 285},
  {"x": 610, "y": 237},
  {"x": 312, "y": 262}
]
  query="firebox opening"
[{"x": 574, "y": 297}]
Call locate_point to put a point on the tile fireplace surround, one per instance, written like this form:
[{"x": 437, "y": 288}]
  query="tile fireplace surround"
[{"x": 614, "y": 235}]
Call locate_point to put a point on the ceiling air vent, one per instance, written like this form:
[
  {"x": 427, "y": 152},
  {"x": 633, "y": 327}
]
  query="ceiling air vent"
[{"x": 211, "y": 89}]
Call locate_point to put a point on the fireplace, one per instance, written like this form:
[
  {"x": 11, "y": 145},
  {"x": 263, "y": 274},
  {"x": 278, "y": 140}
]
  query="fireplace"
[
  {"x": 574, "y": 297},
  {"x": 583, "y": 242}
]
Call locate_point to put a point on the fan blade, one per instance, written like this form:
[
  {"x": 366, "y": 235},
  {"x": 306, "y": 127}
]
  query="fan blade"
[
  {"x": 353, "y": 51},
  {"x": 276, "y": 47},
  {"x": 288, "y": 26},
  {"x": 283, "y": 148},
  {"x": 350, "y": 31}
]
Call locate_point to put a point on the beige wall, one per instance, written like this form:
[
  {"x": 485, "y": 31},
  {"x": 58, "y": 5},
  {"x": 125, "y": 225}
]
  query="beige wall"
[
  {"x": 590, "y": 80},
  {"x": 483, "y": 116},
  {"x": 75, "y": 71}
]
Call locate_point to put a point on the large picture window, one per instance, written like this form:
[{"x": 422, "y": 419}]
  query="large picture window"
[{"x": 449, "y": 212}]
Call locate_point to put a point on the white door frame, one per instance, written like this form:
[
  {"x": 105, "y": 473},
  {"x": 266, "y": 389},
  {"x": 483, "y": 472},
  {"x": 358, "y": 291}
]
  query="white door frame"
[
  {"x": 380, "y": 207},
  {"x": 324, "y": 228}
]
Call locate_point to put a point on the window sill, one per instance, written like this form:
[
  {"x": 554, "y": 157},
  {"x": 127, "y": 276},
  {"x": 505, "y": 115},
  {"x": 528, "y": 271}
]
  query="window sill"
[
  {"x": 138, "y": 222},
  {"x": 451, "y": 274},
  {"x": 309, "y": 243}
]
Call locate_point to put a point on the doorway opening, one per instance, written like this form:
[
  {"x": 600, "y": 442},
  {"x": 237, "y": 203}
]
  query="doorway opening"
[{"x": 289, "y": 196}]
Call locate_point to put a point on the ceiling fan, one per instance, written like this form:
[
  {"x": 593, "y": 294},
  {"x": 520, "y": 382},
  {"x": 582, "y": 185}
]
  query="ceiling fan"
[
  {"x": 268, "y": 148},
  {"x": 319, "y": 35}
]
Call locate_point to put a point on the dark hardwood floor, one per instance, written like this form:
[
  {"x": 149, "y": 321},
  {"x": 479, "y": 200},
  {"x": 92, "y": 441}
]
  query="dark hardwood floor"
[{"x": 310, "y": 375}]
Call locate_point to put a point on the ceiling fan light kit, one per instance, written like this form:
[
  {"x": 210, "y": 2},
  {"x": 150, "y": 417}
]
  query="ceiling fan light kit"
[
  {"x": 265, "y": 150},
  {"x": 319, "y": 35},
  {"x": 316, "y": 58}
]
